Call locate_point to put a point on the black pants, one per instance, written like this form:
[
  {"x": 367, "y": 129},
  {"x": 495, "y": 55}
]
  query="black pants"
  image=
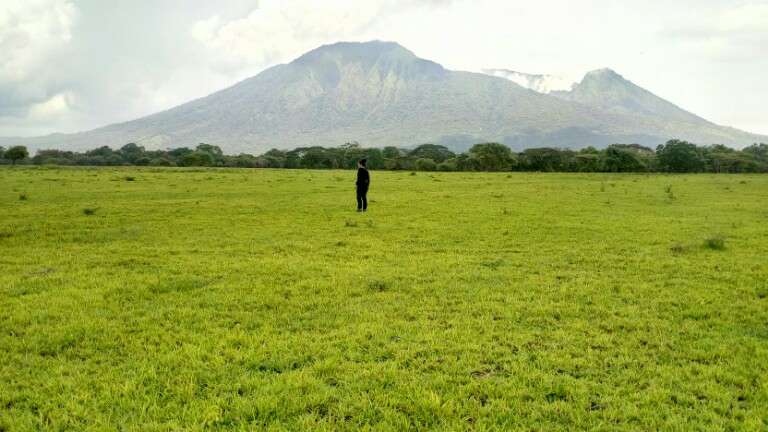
[{"x": 362, "y": 200}]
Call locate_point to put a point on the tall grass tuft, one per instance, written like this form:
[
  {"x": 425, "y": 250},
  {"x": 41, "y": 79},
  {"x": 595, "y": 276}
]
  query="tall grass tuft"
[
  {"x": 377, "y": 285},
  {"x": 716, "y": 242},
  {"x": 678, "y": 248}
]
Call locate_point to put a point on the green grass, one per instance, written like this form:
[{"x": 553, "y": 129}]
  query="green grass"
[{"x": 260, "y": 300}]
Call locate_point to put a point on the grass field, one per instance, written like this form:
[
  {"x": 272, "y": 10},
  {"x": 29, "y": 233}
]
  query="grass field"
[{"x": 183, "y": 299}]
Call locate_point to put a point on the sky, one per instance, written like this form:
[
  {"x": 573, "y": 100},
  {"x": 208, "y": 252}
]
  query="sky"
[{"x": 75, "y": 65}]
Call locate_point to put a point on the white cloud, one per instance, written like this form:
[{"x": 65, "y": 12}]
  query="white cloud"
[
  {"x": 31, "y": 32},
  {"x": 53, "y": 108},
  {"x": 278, "y": 30}
]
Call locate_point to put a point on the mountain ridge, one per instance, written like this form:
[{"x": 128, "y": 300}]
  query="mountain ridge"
[{"x": 380, "y": 93}]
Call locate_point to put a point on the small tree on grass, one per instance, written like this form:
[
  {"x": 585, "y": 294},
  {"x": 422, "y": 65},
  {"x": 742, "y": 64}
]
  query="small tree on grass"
[{"x": 15, "y": 153}]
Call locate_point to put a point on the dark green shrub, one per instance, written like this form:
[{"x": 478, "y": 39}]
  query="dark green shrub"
[{"x": 716, "y": 242}]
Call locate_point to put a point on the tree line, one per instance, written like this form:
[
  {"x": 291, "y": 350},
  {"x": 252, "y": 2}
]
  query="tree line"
[{"x": 674, "y": 156}]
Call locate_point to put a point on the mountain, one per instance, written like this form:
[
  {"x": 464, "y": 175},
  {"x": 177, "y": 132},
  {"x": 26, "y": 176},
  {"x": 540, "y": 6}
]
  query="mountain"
[
  {"x": 606, "y": 90},
  {"x": 538, "y": 83},
  {"x": 380, "y": 94}
]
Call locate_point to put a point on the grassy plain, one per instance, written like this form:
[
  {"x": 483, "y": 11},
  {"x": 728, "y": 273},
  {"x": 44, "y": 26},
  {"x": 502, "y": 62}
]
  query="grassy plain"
[{"x": 180, "y": 299}]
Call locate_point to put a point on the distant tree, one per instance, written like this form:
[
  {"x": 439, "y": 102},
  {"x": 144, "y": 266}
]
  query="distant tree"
[
  {"x": 543, "y": 159},
  {"x": 197, "y": 159},
  {"x": 568, "y": 160},
  {"x": 2, "y": 150},
  {"x": 292, "y": 159},
  {"x": 758, "y": 151},
  {"x": 90, "y": 160},
  {"x": 275, "y": 153},
  {"x": 131, "y": 152},
  {"x": 375, "y": 158},
  {"x": 273, "y": 162},
  {"x": 391, "y": 152},
  {"x": 586, "y": 162},
  {"x": 103, "y": 151},
  {"x": 492, "y": 157},
  {"x": 620, "y": 159},
  {"x": 448, "y": 165},
  {"x": 179, "y": 152},
  {"x": 352, "y": 155},
  {"x": 115, "y": 160},
  {"x": 435, "y": 152},
  {"x": 204, "y": 158},
  {"x": 15, "y": 153},
  {"x": 162, "y": 162},
  {"x": 717, "y": 148},
  {"x": 275, "y": 158},
  {"x": 730, "y": 162},
  {"x": 405, "y": 163},
  {"x": 212, "y": 150},
  {"x": 680, "y": 157},
  {"x": 142, "y": 161},
  {"x": 637, "y": 148},
  {"x": 645, "y": 155},
  {"x": 465, "y": 163},
  {"x": 389, "y": 164},
  {"x": 53, "y": 157},
  {"x": 315, "y": 158},
  {"x": 425, "y": 164}
]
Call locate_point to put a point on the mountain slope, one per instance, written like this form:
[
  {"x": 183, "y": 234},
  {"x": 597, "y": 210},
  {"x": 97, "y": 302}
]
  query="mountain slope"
[
  {"x": 379, "y": 93},
  {"x": 605, "y": 89}
]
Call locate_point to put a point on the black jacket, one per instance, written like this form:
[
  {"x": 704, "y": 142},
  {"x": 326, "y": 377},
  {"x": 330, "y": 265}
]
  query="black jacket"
[{"x": 363, "y": 179}]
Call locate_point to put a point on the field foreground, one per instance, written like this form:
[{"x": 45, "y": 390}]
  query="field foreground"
[{"x": 163, "y": 299}]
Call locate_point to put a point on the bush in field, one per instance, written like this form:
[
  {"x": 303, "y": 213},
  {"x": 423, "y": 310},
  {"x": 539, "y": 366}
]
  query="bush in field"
[{"x": 716, "y": 242}]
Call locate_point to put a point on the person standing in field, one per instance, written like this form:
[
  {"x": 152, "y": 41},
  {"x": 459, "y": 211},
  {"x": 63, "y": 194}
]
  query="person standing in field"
[{"x": 361, "y": 186}]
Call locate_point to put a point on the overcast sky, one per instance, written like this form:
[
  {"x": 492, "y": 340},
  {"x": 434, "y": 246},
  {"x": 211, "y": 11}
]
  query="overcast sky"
[{"x": 72, "y": 65}]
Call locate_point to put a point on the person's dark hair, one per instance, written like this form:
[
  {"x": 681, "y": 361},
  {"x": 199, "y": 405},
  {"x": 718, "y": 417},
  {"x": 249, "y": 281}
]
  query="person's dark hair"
[{"x": 362, "y": 162}]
